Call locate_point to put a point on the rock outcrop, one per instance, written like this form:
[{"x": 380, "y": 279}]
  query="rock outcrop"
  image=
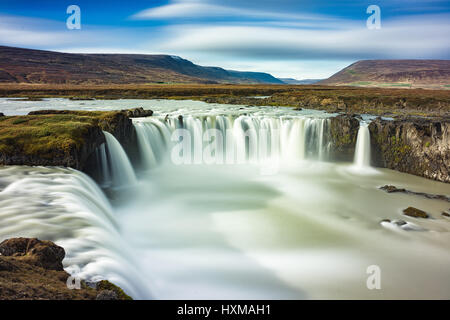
[
  {"x": 417, "y": 146},
  {"x": 343, "y": 134},
  {"x": 63, "y": 138},
  {"x": 43, "y": 254},
  {"x": 32, "y": 269},
  {"x": 138, "y": 113}
]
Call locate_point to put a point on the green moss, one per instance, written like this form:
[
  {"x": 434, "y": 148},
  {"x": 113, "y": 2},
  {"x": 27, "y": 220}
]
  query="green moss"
[
  {"x": 394, "y": 147},
  {"x": 48, "y": 134},
  {"x": 106, "y": 285}
]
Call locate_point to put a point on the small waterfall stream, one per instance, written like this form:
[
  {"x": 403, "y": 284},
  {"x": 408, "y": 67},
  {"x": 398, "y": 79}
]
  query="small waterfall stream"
[
  {"x": 362, "y": 149},
  {"x": 121, "y": 168}
]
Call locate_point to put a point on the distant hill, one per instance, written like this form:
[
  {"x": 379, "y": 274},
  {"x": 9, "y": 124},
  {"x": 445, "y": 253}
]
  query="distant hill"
[
  {"x": 19, "y": 65},
  {"x": 295, "y": 81},
  {"x": 394, "y": 73}
]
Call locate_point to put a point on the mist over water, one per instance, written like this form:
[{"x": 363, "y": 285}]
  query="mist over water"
[{"x": 306, "y": 230}]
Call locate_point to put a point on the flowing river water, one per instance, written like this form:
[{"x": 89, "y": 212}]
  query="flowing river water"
[{"x": 286, "y": 223}]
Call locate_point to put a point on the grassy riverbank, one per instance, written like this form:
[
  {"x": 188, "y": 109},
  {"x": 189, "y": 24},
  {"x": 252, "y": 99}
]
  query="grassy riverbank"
[{"x": 377, "y": 101}]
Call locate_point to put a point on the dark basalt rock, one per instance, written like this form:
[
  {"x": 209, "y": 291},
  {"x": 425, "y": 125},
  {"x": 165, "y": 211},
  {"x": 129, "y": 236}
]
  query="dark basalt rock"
[
  {"x": 31, "y": 269},
  {"x": 417, "y": 146},
  {"x": 343, "y": 134},
  {"x": 2, "y": 114},
  {"x": 415, "y": 213},
  {"x": 446, "y": 214},
  {"x": 106, "y": 295},
  {"x": 138, "y": 113},
  {"x": 44, "y": 254},
  {"x": 393, "y": 189}
]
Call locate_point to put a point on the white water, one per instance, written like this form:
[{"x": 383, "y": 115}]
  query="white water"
[
  {"x": 121, "y": 168},
  {"x": 362, "y": 149},
  {"x": 66, "y": 206},
  {"x": 309, "y": 229},
  {"x": 240, "y": 139}
]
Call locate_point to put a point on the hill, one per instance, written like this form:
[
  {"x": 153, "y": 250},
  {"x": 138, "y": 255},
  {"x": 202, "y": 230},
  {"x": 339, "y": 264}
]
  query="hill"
[
  {"x": 394, "y": 73},
  {"x": 19, "y": 65}
]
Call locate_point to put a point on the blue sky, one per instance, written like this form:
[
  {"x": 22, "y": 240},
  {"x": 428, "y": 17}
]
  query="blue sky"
[{"x": 300, "y": 39}]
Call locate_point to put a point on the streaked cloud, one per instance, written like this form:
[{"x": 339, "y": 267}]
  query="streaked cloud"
[
  {"x": 288, "y": 38},
  {"x": 411, "y": 37},
  {"x": 206, "y": 9}
]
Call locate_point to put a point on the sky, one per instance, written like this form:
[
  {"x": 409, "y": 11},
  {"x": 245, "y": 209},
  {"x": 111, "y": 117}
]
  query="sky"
[{"x": 289, "y": 39}]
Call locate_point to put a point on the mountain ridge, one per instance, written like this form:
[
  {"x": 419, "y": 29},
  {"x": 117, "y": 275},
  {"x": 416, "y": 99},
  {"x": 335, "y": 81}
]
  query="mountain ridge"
[
  {"x": 19, "y": 65},
  {"x": 407, "y": 73}
]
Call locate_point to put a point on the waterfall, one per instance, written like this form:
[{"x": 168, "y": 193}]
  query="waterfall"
[
  {"x": 121, "y": 168},
  {"x": 106, "y": 175},
  {"x": 362, "y": 149},
  {"x": 67, "y": 207},
  {"x": 243, "y": 139}
]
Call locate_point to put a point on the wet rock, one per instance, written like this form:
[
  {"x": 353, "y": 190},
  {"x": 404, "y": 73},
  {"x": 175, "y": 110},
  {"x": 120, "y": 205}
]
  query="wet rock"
[
  {"x": 385, "y": 220},
  {"x": 44, "y": 254},
  {"x": 415, "y": 213},
  {"x": 106, "y": 295},
  {"x": 391, "y": 189},
  {"x": 399, "y": 222},
  {"x": 138, "y": 113},
  {"x": 105, "y": 285},
  {"x": 343, "y": 134},
  {"x": 297, "y": 109},
  {"x": 446, "y": 214},
  {"x": 414, "y": 145}
]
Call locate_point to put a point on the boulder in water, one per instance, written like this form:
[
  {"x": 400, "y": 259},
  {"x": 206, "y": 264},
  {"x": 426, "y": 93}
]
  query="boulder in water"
[
  {"x": 391, "y": 189},
  {"x": 446, "y": 214},
  {"x": 415, "y": 213}
]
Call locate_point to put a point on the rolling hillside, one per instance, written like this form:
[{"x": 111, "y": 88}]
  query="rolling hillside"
[
  {"x": 394, "y": 73},
  {"x": 36, "y": 66}
]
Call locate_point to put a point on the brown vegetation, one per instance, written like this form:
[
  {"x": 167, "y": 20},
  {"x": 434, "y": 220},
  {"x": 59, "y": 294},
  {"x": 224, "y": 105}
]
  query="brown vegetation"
[{"x": 377, "y": 101}]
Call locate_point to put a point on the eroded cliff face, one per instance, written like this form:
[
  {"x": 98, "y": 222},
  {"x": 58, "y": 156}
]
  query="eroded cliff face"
[
  {"x": 74, "y": 156},
  {"x": 417, "y": 146},
  {"x": 343, "y": 134}
]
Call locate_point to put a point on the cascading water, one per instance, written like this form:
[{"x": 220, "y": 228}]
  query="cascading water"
[
  {"x": 243, "y": 139},
  {"x": 308, "y": 231},
  {"x": 121, "y": 168},
  {"x": 67, "y": 207},
  {"x": 362, "y": 149}
]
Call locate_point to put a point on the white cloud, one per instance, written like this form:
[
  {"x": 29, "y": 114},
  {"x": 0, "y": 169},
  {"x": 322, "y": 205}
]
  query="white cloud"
[
  {"x": 202, "y": 9},
  {"x": 413, "y": 37}
]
